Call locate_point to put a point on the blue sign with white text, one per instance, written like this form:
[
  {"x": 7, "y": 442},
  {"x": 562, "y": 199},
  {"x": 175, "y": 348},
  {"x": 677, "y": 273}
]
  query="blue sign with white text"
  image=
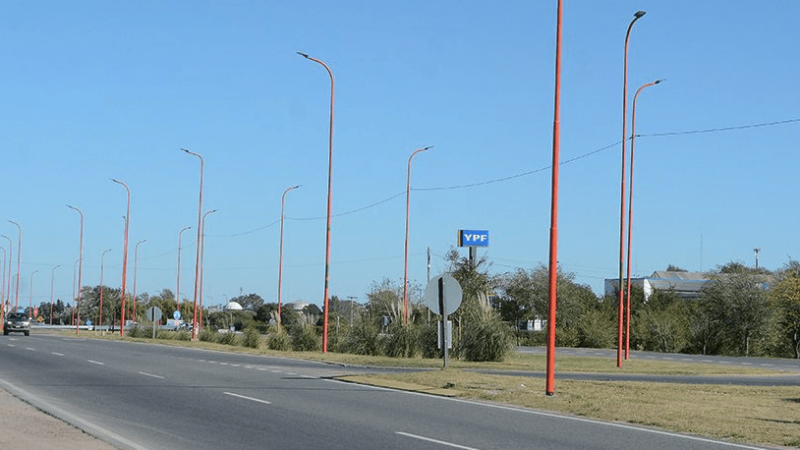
[{"x": 473, "y": 238}]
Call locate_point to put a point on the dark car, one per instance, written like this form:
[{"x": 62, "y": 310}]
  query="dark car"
[{"x": 17, "y": 323}]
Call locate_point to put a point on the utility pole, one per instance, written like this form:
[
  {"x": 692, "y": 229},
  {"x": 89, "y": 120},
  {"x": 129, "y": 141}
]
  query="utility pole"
[{"x": 756, "y": 250}]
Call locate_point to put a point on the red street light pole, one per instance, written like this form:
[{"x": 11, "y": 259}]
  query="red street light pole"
[
  {"x": 80, "y": 267},
  {"x": 19, "y": 262},
  {"x": 124, "y": 259},
  {"x": 30, "y": 297},
  {"x": 202, "y": 254},
  {"x": 52, "y": 283},
  {"x": 3, "y": 288},
  {"x": 405, "y": 263},
  {"x": 199, "y": 235},
  {"x": 637, "y": 16},
  {"x": 280, "y": 259},
  {"x": 630, "y": 222},
  {"x": 553, "y": 272},
  {"x": 10, "y": 258},
  {"x": 328, "y": 228},
  {"x": 102, "y": 288},
  {"x": 178, "y": 290},
  {"x": 135, "y": 269}
]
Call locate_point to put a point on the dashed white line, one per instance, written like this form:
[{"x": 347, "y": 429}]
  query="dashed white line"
[
  {"x": 435, "y": 441},
  {"x": 57, "y": 354},
  {"x": 151, "y": 375},
  {"x": 247, "y": 398},
  {"x": 30, "y": 348},
  {"x": 96, "y": 362}
]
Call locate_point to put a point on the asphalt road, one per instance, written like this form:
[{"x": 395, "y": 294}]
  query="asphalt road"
[{"x": 142, "y": 396}]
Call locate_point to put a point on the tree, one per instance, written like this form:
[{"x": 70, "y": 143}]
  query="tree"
[
  {"x": 673, "y": 268},
  {"x": 736, "y": 305},
  {"x": 785, "y": 300},
  {"x": 663, "y": 323}
]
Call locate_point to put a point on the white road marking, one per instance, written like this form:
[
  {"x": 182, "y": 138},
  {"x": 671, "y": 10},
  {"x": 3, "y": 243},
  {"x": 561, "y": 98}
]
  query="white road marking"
[
  {"x": 57, "y": 354},
  {"x": 30, "y": 348},
  {"x": 151, "y": 375},
  {"x": 96, "y": 362},
  {"x": 247, "y": 398},
  {"x": 435, "y": 441}
]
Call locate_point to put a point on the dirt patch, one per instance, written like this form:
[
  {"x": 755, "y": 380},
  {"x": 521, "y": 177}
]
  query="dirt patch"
[{"x": 26, "y": 427}]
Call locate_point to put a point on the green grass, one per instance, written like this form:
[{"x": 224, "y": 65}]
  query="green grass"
[{"x": 754, "y": 415}]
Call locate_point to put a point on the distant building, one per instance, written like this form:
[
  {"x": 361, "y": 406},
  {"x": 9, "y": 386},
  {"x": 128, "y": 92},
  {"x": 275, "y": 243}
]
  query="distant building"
[{"x": 687, "y": 285}]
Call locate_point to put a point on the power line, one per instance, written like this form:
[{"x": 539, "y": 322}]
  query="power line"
[{"x": 524, "y": 174}]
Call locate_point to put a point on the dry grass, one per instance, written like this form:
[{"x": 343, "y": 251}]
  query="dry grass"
[{"x": 755, "y": 415}]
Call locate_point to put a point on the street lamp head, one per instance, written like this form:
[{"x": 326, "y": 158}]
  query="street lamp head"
[
  {"x": 303, "y": 55},
  {"x": 659, "y": 81},
  {"x": 639, "y": 14}
]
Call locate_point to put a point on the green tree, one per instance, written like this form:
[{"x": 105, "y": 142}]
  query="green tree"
[
  {"x": 249, "y": 302},
  {"x": 785, "y": 301},
  {"x": 736, "y": 304}
]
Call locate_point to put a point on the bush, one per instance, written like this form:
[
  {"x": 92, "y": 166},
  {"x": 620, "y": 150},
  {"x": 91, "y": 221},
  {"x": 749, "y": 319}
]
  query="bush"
[
  {"x": 401, "y": 342},
  {"x": 183, "y": 335},
  {"x": 139, "y": 332},
  {"x": 305, "y": 339},
  {"x": 229, "y": 338},
  {"x": 252, "y": 338},
  {"x": 486, "y": 339},
  {"x": 279, "y": 340},
  {"x": 360, "y": 339},
  {"x": 428, "y": 336},
  {"x": 208, "y": 334}
]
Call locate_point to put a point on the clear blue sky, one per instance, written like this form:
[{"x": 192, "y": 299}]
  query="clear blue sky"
[{"x": 94, "y": 90}]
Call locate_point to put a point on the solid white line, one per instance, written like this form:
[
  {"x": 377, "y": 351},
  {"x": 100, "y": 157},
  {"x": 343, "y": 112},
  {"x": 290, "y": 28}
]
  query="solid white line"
[
  {"x": 422, "y": 438},
  {"x": 151, "y": 375},
  {"x": 247, "y": 398},
  {"x": 96, "y": 362},
  {"x": 57, "y": 354}
]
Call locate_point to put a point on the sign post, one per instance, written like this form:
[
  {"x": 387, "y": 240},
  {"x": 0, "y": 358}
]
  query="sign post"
[
  {"x": 154, "y": 314},
  {"x": 443, "y": 294}
]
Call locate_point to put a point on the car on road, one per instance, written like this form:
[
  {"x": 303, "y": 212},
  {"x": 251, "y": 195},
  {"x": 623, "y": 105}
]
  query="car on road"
[{"x": 17, "y": 322}]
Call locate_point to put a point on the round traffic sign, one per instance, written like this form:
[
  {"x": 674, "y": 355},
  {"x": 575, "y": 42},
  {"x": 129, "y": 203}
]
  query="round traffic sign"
[{"x": 451, "y": 291}]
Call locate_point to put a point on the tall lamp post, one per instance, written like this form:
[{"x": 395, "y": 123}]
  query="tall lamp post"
[
  {"x": 102, "y": 287},
  {"x": 19, "y": 262},
  {"x": 405, "y": 260},
  {"x": 10, "y": 258},
  {"x": 52, "y": 284},
  {"x": 178, "y": 290},
  {"x": 124, "y": 258},
  {"x": 280, "y": 259},
  {"x": 630, "y": 222},
  {"x": 135, "y": 269},
  {"x": 199, "y": 235},
  {"x": 3, "y": 289},
  {"x": 553, "y": 269},
  {"x": 30, "y": 297},
  {"x": 80, "y": 267},
  {"x": 202, "y": 253},
  {"x": 328, "y": 226},
  {"x": 637, "y": 16}
]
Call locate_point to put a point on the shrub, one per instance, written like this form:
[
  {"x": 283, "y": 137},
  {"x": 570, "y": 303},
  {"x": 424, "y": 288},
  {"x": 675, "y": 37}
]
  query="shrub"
[
  {"x": 428, "y": 344},
  {"x": 486, "y": 339},
  {"x": 360, "y": 339},
  {"x": 401, "y": 341},
  {"x": 229, "y": 338},
  {"x": 305, "y": 339},
  {"x": 208, "y": 334},
  {"x": 183, "y": 335},
  {"x": 252, "y": 338},
  {"x": 279, "y": 340},
  {"x": 139, "y": 332}
]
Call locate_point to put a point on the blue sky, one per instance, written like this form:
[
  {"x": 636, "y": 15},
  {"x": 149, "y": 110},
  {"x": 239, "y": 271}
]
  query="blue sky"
[{"x": 94, "y": 90}]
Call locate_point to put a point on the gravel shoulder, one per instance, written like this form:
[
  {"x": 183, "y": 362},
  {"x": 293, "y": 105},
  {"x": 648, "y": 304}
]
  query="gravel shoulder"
[{"x": 24, "y": 426}]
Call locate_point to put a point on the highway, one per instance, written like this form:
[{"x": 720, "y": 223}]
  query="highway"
[{"x": 145, "y": 396}]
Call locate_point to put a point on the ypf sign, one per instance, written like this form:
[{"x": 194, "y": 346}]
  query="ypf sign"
[{"x": 473, "y": 238}]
